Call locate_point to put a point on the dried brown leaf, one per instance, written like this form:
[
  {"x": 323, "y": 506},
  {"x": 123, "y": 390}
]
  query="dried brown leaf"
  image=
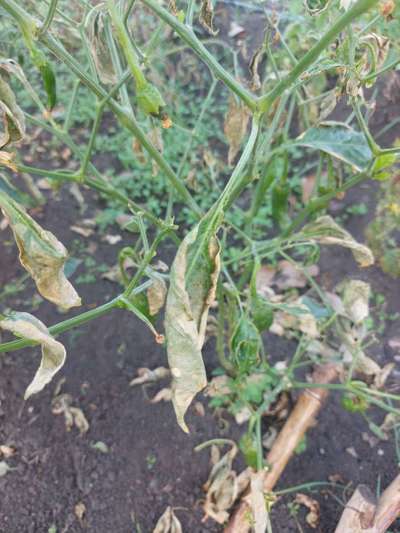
[
  {"x": 206, "y": 16},
  {"x": 145, "y": 375},
  {"x": 11, "y": 115},
  {"x": 235, "y": 126},
  {"x": 168, "y": 523},
  {"x": 313, "y": 517},
  {"x": 156, "y": 295}
]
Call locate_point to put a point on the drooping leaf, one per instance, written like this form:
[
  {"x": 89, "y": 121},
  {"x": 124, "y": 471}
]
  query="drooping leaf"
[
  {"x": 235, "y": 126},
  {"x": 343, "y": 143},
  {"x": 206, "y": 16},
  {"x": 11, "y": 115},
  {"x": 41, "y": 254},
  {"x": 53, "y": 352},
  {"x": 325, "y": 230},
  {"x": 95, "y": 23},
  {"x": 191, "y": 292},
  {"x": 168, "y": 523}
]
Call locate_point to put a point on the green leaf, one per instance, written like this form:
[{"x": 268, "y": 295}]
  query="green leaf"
[
  {"x": 341, "y": 142},
  {"x": 53, "y": 352},
  {"x": 41, "y": 254},
  {"x": 246, "y": 344},
  {"x": 191, "y": 292}
]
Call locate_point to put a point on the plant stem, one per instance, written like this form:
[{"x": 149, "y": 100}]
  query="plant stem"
[
  {"x": 49, "y": 17},
  {"x": 188, "y": 35},
  {"x": 312, "y": 55}
]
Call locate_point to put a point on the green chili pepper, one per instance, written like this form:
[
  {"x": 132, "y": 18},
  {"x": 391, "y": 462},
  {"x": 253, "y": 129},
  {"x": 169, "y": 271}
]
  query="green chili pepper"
[
  {"x": 49, "y": 82},
  {"x": 280, "y": 197}
]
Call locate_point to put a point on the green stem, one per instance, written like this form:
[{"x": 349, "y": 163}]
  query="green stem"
[
  {"x": 49, "y": 17},
  {"x": 126, "y": 45},
  {"x": 187, "y": 35},
  {"x": 312, "y": 55}
]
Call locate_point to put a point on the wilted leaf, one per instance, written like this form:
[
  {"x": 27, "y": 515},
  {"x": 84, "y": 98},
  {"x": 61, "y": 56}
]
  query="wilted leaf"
[
  {"x": 315, "y": 7},
  {"x": 11, "y": 115},
  {"x": 356, "y": 295},
  {"x": 235, "y": 126},
  {"x": 292, "y": 276},
  {"x": 344, "y": 143},
  {"x": 168, "y": 523},
  {"x": 156, "y": 294},
  {"x": 313, "y": 516},
  {"x": 325, "y": 230},
  {"x": 206, "y": 16},
  {"x": 53, "y": 352},
  {"x": 80, "y": 510},
  {"x": 41, "y": 254},
  {"x": 145, "y": 375},
  {"x": 189, "y": 297},
  {"x": 7, "y": 160},
  {"x": 95, "y": 25},
  {"x": 221, "y": 487},
  {"x": 4, "y": 468}
]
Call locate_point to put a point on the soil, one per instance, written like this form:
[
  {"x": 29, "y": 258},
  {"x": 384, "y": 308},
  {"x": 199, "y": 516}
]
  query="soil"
[{"x": 149, "y": 463}]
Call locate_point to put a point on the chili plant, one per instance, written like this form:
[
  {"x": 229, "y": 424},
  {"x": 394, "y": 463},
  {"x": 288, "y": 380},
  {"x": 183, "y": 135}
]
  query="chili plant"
[{"x": 278, "y": 130}]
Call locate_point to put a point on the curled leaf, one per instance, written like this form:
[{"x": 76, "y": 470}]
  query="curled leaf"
[
  {"x": 312, "y": 505},
  {"x": 156, "y": 294},
  {"x": 74, "y": 416},
  {"x": 191, "y": 292},
  {"x": 235, "y": 126},
  {"x": 325, "y": 230},
  {"x": 356, "y": 295},
  {"x": 168, "y": 523},
  {"x": 95, "y": 25},
  {"x": 41, "y": 254},
  {"x": 11, "y": 115},
  {"x": 53, "y": 352},
  {"x": 206, "y": 16},
  {"x": 315, "y": 7}
]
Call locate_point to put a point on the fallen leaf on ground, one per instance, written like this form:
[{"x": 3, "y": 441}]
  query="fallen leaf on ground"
[
  {"x": 289, "y": 276},
  {"x": 80, "y": 230},
  {"x": 313, "y": 516},
  {"x": 168, "y": 523},
  {"x": 112, "y": 239},
  {"x": 145, "y": 375},
  {"x": 356, "y": 295},
  {"x": 53, "y": 352},
  {"x": 7, "y": 451},
  {"x": 80, "y": 510},
  {"x": 4, "y": 468},
  {"x": 73, "y": 415},
  {"x": 164, "y": 395}
]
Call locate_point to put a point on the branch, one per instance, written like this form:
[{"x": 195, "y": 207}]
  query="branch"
[
  {"x": 300, "y": 420},
  {"x": 363, "y": 515}
]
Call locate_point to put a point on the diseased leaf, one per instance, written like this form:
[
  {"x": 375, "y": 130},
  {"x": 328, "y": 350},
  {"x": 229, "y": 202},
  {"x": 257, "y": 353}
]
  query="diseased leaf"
[
  {"x": 191, "y": 292},
  {"x": 324, "y": 230},
  {"x": 235, "y": 126},
  {"x": 41, "y": 254},
  {"x": 356, "y": 295},
  {"x": 168, "y": 523},
  {"x": 156, "y": 294},
  {"x": 343, "y": 143},
  {"x": 95, "y": 24},
  {"x": 11, "y": 115},
  {"x": 206, "y": 16},
  {"x": 53, "y": 352},
  {"x": 74, "y": 416}
]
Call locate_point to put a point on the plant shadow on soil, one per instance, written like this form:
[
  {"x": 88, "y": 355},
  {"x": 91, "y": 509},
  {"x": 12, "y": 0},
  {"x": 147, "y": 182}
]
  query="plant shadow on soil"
[{"x": 150, "y": 462}]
